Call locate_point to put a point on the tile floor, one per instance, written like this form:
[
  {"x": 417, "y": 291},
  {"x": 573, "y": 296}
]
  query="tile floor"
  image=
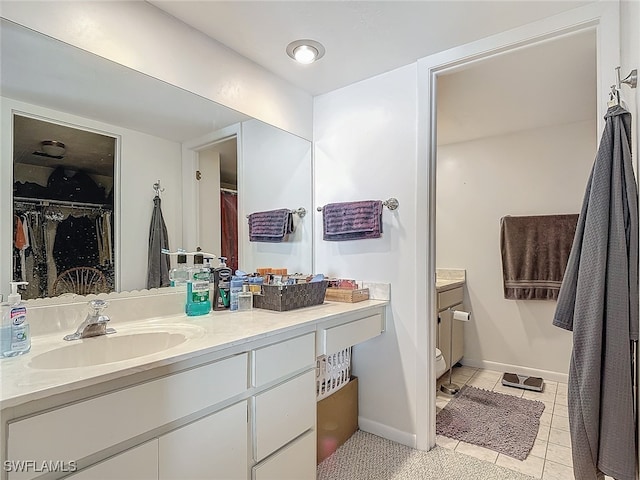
[{"x": 550, "y": 458}]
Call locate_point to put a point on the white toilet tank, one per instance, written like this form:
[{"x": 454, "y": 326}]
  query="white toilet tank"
[{"x": 441, "y": 365}]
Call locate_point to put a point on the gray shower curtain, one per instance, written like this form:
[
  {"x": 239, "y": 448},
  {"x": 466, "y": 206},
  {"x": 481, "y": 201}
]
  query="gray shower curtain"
[
  {"x": 158, "y": 264},
  {"x": 598, "y": 301}
]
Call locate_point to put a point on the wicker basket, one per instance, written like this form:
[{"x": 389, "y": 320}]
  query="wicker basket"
[
  {"x": 289, "y": 297},
  {"x": 332, "y": 372}
]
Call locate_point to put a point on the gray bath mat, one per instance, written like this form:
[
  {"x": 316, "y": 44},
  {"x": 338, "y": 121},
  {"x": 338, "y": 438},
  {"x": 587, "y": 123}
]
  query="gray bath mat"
[{"x": 503, "y": 423}]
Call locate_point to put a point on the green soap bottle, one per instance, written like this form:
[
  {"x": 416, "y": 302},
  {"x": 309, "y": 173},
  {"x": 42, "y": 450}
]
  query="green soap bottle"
[{"x": 198, "y": 302}]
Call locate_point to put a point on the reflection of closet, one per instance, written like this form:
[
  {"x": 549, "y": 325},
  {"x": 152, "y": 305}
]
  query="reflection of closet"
[
  {"x": 52, "y": 237},
  {"x": 63, "y": 207}
]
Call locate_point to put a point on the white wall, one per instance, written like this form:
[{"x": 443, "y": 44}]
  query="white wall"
[
  {"x": 630, "y": 59},
  {"x": 140, "y": 36},
  {"x": 143, "y": 160},
  {"x": 365, "y": 149},
  {"x": 276, "y": 173},
  {"x": 534, "y": 172}
]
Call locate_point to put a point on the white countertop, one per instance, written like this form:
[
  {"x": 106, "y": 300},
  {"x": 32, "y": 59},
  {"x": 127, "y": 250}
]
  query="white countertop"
[
  {"x": 449, "y": 278},
  {"x": 20, "y": 382},
  {"x": 444, "y": 284}
]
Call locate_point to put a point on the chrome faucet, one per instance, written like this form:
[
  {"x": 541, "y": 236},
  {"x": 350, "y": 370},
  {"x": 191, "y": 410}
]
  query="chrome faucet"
[{"x": 95, "y": 324}]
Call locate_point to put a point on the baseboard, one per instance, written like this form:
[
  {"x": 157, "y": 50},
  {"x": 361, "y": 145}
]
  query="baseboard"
[
  {"x": 385, "y": 431},
  {"x": 518, "y": 369}
]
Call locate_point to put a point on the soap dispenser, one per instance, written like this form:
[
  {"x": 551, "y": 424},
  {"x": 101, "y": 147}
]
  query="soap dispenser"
[
  {"x": 179, "y": 275},
  {"x": 221, "y": 280},
  {"x": 14, "y": 332}
]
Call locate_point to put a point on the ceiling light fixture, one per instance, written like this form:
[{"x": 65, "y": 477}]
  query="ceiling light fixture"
[
  {"x": 305, "y": 51},
  {"x": 53, "y": 148}
]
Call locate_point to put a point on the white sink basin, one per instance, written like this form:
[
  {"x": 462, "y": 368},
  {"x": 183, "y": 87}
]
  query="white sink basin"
[{"x": 111, "y": 348}]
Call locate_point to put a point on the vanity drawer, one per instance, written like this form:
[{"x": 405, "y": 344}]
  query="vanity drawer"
[
  {"x": 93, "y": 425},
  {"x": 450, "y": 298},
  {"x": 294, "y": 462},
  {"x": 283, "y": 413},
  {"x": 282, "y": 359},
  {"x": 338, "y": 338}
]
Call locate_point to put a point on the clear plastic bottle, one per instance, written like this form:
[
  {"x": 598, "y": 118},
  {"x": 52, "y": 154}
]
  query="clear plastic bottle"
[
  {"x": 180, "y": 274},
  {"x": 234, "y": 290},
  {"x": 245, "y": 299},
  {"x": 15, "y": 338},
  {"x": 198, "y": 302},
  {"x": 209, "y": 269}
]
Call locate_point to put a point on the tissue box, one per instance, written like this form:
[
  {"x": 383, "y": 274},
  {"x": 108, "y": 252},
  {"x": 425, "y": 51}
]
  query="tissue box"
[{"x": 289, "y": 297}]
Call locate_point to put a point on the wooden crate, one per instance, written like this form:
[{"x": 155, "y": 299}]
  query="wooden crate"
[{"x": 346, "y": 295}]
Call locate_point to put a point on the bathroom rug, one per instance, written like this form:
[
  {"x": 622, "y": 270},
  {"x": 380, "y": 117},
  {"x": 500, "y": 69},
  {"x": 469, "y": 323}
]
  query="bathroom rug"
[{"x": 500, "y": 422}]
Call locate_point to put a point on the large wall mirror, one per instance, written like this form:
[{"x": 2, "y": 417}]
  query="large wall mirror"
[{"x": 122, "y": 131}]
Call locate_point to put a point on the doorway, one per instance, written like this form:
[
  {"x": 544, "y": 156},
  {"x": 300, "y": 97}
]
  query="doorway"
[
  {"x": 513, "y": 141},
  {"x": 218, "y": 200},
  {"x": 604, "y": 19}
]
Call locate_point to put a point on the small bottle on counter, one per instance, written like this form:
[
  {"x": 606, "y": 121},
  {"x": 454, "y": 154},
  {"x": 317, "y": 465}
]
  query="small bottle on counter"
[
  {"x": 15, "y": 338},
  {"x": 180, "y": 275},
  {"x": 245, "y": 299},
  {"x": 234, "y": 289}
]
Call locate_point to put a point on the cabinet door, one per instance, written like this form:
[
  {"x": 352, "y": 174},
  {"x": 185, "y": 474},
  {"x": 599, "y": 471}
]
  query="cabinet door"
[
  {"x": 444, "y": 336},
  {"x": 283, "y": 413},
  {"x": 139, "y": 463},
  {"x": 297, "y": 461},
  {"x": 214, "y": 447}
]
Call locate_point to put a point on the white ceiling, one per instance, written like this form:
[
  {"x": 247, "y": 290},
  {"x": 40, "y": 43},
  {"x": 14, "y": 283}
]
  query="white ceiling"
[
  {"x": 362, "y": 38},
  {"x": 552, "y": 83},
  {"x": 91, "y": 152}
]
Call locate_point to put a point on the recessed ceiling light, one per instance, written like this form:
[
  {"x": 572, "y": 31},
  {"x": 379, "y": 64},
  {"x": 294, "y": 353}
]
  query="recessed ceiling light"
[
  {"x": 305, "y": 51},
  {"x": 53, "y": 148}
]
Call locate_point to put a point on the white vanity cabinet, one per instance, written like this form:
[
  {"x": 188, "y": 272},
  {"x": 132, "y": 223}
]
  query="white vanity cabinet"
[
  {"x": 213, "y": 447},
  {"x": 139, "y": 463},
  {"x": 245, "y": 411},
  {"x": 286, "y": 412},
  {"x": 450, "y": 299},
  {"x": 297, "y": 461},
  {"x": 104, "y": 423}
]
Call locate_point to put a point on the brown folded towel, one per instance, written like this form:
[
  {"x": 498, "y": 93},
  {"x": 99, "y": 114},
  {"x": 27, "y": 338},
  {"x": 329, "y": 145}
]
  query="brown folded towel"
[{"x": 535, "y": 251}]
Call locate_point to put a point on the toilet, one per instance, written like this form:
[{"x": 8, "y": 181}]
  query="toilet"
[{"x": 441, "y": 365}]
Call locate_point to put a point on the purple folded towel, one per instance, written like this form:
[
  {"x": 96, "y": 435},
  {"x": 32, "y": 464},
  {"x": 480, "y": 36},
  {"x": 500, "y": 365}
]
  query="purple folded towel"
[
  {"x": 352, "y": 220},
  {"x": 271, "y": 226}
]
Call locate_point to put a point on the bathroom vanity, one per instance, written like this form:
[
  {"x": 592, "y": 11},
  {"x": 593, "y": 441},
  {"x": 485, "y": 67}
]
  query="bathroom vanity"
[
  {"x": 225, "y": 395},
  {"x": 450, "y": 295}
]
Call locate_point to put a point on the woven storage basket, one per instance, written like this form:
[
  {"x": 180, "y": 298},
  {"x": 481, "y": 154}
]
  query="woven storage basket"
[
  {"x": 289, "y": 297},
  {"x": 332, "y": 372}
]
